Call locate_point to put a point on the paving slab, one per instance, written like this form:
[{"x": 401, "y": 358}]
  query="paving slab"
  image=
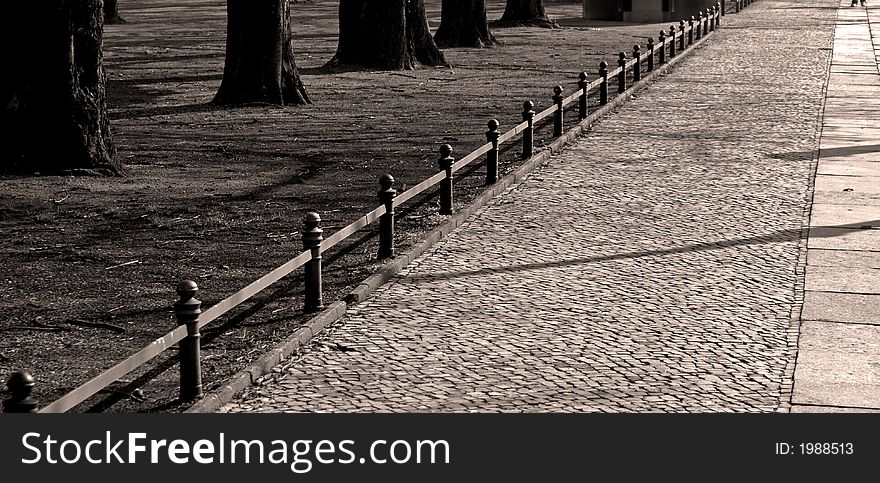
[
  {"x": 844, "y": 185},
  {"x": 843, "y": 258},
  {"x": 855, "y": 216},
  {"x": 841, "y": 307},
  {"x": 797, "y": 408},
  {"x": 851, "y": 165},
  {"x": 838, "y": 365},
  {"x": 844, "y": 239},
  {"x": 842, "y": 279}
]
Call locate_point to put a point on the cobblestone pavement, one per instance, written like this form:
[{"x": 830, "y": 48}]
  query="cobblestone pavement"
[{"x": 650, "y": 267}]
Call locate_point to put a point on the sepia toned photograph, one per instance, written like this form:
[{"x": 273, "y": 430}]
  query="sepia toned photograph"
[{"x": 426, "y": 206}]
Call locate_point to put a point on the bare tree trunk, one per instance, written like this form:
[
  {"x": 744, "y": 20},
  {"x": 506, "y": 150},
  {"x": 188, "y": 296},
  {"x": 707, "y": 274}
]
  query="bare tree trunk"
[
  {"x": 111, "y": 12},
  {"x": 260, "y": 66},
  {"x": 53, "y": 109},
  {"x": 463, "y": 24},
  {"x": 525, "y": 13},
  {"x": 385, "y": 34}
]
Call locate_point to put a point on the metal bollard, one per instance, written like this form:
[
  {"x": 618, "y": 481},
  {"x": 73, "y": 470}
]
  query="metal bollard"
[
  {"x": 582, "y": 100},
  {"x": 711, "y": 19},
  {"x": 637, "y": 67},
  {"x": 691, "y": 30},
  {"x": 312, "y": 236},
  {"x": 698, "y": 30},
  {"x": 650, "y": 54},
  {"x": 557, "y": 115},
  {"x": 186, "y": 312},
  {"x": 603, "y": 86},
  {"x": 21, "y": 385},
  {"x": 621, "y": 76},
  {"x": 671, "y": 41},
  {"x": 662, "y": 38},
  {"x": 446, "y": 161},
  {"x": 492, "y": 136},
  {"x": 736, "y": 6},
  {"x": 528, "y": 115},
  {"x": 723, "y": 5},
  {"x": 681, "y": 35},
  {"x": 719, "y": 9},
  {"x": 706, "y": 25},
  {"x": 386, "y": 222}
]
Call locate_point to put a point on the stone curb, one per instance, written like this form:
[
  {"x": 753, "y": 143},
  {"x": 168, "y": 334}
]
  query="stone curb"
[{"x": 262, "y": 366}]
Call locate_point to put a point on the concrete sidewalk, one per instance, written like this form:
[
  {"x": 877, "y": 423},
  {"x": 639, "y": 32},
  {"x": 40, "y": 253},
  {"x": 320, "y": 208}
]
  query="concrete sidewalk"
[
  {"x": 838, "y": 365},
  {"x": 659, "y": 264}
]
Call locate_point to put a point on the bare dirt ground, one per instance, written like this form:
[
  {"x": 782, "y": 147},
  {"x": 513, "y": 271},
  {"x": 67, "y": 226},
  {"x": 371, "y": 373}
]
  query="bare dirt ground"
[{"x": 88, "y": 265}]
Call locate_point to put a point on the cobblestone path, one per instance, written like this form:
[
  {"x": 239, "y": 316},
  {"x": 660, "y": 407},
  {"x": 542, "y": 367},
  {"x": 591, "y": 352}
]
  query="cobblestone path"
[{"x": 656, "y": 265}]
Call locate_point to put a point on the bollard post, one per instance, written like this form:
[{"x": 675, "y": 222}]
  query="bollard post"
[
  {"x": 650, "y": 54},
  {"x": 719, "y": 9},
  {"x": 492, "y": 136},
  {"x": 711, "y": 19},
  {"x": 603, "y": 86},
  {"x": 662, "y": 38},
  {"x": 21, "y": 385},
  {"x": 446, "y": 161},
  {"x": 386, "y": 222},
  {"x": 671, "y": 41},
  {"x": 557, "y": 115},
  {"x": 528, "y": 115},
  {"x": 681, "y": 35},
  {"x": 723, "y": 5},
  {"x": 312, "y": 236},
  {"x": 582, "y": 100},
  {"x": 621, "y": 76},
  {"x": 706, "y": 24},
  {"x": 699, "y": 28},
  {"x": 736, "y": 6},
  {"x": 637, "y": 67},
  {"x": 186, "y": 312},
  {"x": 691, "y": 30}
]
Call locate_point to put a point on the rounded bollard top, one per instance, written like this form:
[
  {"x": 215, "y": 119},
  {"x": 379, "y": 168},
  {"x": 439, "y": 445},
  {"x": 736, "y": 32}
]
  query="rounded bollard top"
[
  {"x": 311, "y": 219},
  {"x": 493, "y": 124},
  {"x": 681, "y": 23},
  {"x": 445, "y": 150},
  {"x": 557, "y": 90},
  {"x": 700, "y": 13},
  {"x": 187, "y": 289},
  {"x": 622, "y": 55},
  {"x": 650, "y": 40},
  {"x": 528, "y": 106},
  {"x": 386, "y": 181},
  {"x": 20, "y": 382},
  {"x": 636, "y": 48},
  {"x": 603, "y": 65},
  {"x": 692, "y": 19},
  {"x": 582, "y": 76},
  {"x": 672, "y": 29}
]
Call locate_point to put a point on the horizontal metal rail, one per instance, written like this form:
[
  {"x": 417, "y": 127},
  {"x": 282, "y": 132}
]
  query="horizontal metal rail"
[{"x": 110, "y": 376}]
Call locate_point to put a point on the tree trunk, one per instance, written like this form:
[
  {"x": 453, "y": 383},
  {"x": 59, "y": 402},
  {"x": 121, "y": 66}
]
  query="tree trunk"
[
  {"x": 525, "y": 13},
  {"x": 260, "y": 67},
  {"x": 53, "y": 109},
  {"x": 385, "y": 34},
  {"x": 111, "y": 12},
  {"x": 463, "y": 24}
]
